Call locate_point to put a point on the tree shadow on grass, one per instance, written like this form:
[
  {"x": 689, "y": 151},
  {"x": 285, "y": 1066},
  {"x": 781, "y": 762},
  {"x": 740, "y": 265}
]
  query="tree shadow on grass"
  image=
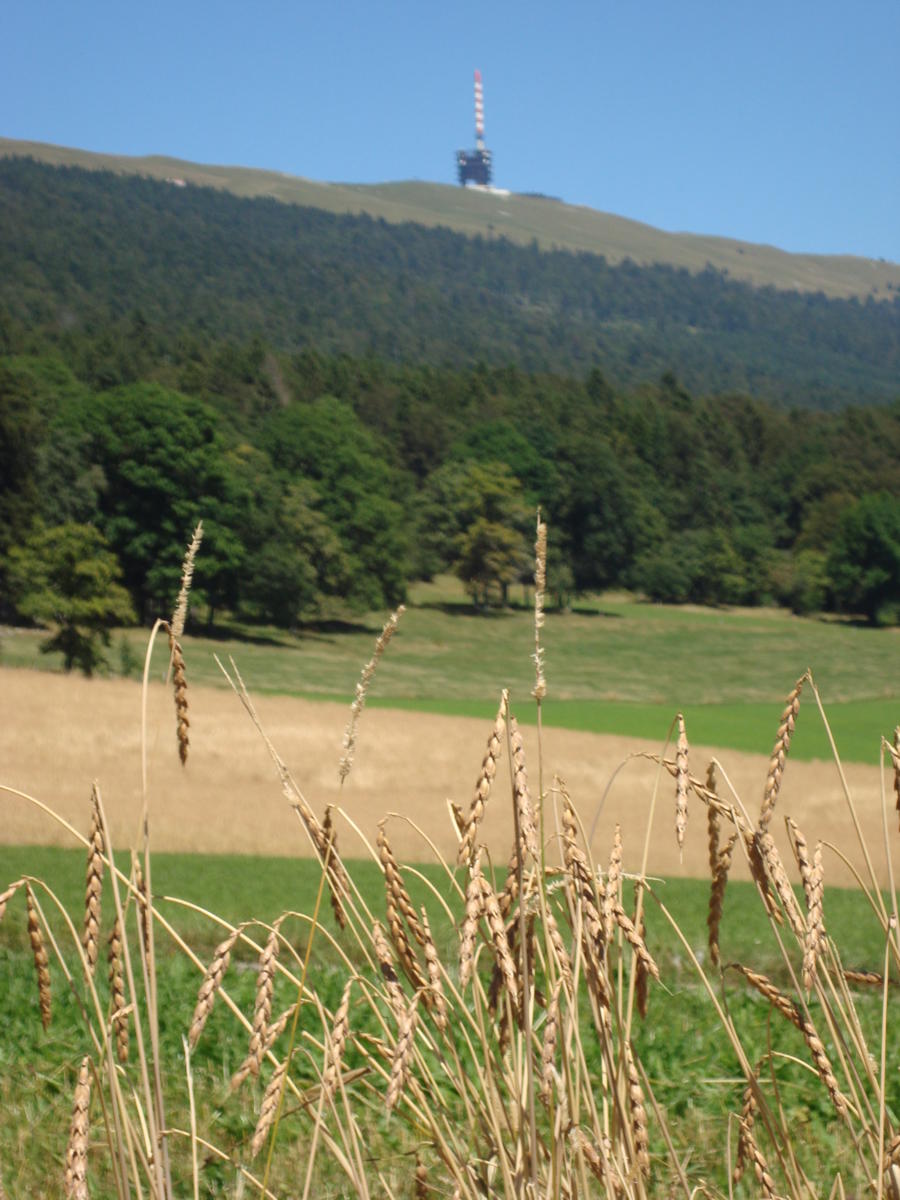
[{"x": 459, "y": 608}]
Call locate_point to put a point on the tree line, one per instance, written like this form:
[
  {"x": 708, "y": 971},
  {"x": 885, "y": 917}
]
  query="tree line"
[{"x": 333, "y": 480}]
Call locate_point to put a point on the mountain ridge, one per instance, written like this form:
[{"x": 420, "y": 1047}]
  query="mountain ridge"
[{"x": 520, "y": 219}]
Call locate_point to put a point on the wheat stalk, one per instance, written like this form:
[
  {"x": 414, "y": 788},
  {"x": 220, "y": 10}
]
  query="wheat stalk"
[{"x": 362, "y": 687}]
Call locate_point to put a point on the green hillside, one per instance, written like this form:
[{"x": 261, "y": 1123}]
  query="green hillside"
[
  {"x": 83, "y": 251},
  {"x": 520, "y": 219}
]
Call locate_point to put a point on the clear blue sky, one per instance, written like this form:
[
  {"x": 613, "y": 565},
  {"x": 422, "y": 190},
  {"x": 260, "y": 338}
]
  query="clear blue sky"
[{"x": 770, "y": 122}]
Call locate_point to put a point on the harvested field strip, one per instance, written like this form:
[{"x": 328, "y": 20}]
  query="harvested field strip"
[{"x": 59, "y": 734}]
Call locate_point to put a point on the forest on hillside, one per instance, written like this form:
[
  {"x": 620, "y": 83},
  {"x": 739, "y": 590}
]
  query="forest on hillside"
[
  {"x": 85, "y": 255},
  {"x": 328, "y": 480}
]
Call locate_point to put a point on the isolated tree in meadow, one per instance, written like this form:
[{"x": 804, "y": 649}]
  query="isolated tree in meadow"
[{"x": 66, "y": 577}]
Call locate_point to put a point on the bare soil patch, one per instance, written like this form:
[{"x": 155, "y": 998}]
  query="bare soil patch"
[{"x": 58, "y": 734}]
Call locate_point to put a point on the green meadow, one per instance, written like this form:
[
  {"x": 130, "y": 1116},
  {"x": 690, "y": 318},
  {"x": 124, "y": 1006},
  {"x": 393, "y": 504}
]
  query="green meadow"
[{"x": 614, "y": 665}]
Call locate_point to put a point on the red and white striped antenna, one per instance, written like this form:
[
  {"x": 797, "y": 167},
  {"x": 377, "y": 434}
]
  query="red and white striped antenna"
[{"x": 479, "y": 112}]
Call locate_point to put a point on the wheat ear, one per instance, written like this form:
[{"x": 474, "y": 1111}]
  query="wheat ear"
[
  {"x": 713, "y": 821},
  {"x": 779, "y": 754},
  {"x": 6, "y": 896},
  {"x": 682, "y": 779},
  {"x": 895, "y": 758},
  {"x": 717, "y": 896},
  {"x": 388, "y": 973},
  {"x": 90, "y": 934},
  {"x": 262, "y": 1010},
  {"x": 118, "y": 998},
  {"x": 212, "y": 981},
  {"x": 39, "y": 953},
  {"x": 548, "y": 1046},
  {"x": 434, "y": 996},
  {"x": 179, "y": 684},
  {"x": 76, "y": 1149},
  {"x": 612, "y": 885},
  {"x": 539, "y": 690},
  {"x": 483, "y": 784},
  {"x": 522, "y": 796},
  {"x": 268, "y": 1108},
  {"x": 179, "y": 615},
  {"x": 402, "y": 1056},
  {"x": 398, "y": 899},
  {"x": 339, "y": 1031},
  {"x": 789, "y": 1010},
  {"x": 337, "y": 875},
  {"x": 469, "y": 929},
  {"x": 362, "y": 687},
  {"x": 638, "y": 1113}
]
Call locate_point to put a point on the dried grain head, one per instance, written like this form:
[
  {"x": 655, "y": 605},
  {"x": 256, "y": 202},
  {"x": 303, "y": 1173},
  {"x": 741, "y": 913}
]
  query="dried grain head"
[
  {"x": 483, "y": 784},
  {"x": 522, "y": 796},
  {"x": 39, "y": 953},
  {"x": 90, "y": 934},
  {"x": 779, "y": 754},
  {"x": 402, "y": 1056},
  {"x": 682, "y": 780},
  {"x": 540, "y": 586},
  {"x": 76, "y": 1149},
  {"x": 6, "y": 896},
  {"x": 117, "y": 995},
  {"x": 348, "y": 747},
  {"x": 212, "y": 981},
  {"x": 269, "y": 1108},
  {"x": 717, "y": 896},
  {"x": 179, "y": 683},
  {"x": 337, "y": 1042},
  {"x": 179, "y": 615}
]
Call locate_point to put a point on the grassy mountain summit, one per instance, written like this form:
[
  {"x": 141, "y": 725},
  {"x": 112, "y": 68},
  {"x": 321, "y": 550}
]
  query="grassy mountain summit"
[{"x": 520, "y": 219}]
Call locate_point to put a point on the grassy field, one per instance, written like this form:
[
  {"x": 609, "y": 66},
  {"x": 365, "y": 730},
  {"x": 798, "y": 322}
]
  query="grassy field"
[
  {"x": 614, "y": 665},
  {"x": 520, "y": 219},
  {"x": 681, "y": 1039}
]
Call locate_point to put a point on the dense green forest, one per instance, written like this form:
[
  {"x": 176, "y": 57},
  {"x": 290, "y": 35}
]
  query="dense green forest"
[
  {"x": 82, "y": 251},
  {"x": 170, "y": 354},
  {"x": 325, "y": 480}
]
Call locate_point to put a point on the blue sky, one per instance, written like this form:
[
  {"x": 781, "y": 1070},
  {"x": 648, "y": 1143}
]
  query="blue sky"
[{"x": 768, "y": 122}]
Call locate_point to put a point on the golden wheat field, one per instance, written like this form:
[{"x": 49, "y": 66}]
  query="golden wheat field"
[{"x": 58, "y": 734}]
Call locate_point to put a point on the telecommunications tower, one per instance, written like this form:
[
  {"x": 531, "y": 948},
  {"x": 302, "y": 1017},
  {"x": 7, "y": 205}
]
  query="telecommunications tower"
[{"x": 474, "y": 166}]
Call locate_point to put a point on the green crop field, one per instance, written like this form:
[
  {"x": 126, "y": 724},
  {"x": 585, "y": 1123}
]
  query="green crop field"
[
  {"x": 681, "y": 1038},
  {"x": 614, "y": 665}
]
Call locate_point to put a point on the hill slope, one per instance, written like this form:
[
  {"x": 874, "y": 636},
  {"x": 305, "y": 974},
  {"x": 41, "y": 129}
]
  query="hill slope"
[
  {"x": 82, "y": 250},
  {"x": 520, "y": 219}
]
